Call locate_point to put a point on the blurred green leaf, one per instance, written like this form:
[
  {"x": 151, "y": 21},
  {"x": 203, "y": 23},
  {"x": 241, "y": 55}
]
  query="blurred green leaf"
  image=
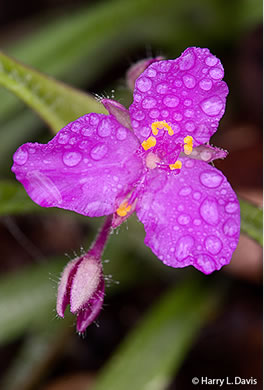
[
  {"x": 251, "y": 220},
  {"x": 14, "y": 199},
  {"x": 36, "y": 355},
  {"x": 28, "y": 297},
  {"x": 154, "y": 350},
  {"x": 55, "y": 102}
]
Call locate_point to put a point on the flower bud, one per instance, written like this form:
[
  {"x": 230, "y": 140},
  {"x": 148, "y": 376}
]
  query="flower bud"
[{"x": 82, "y": 286}]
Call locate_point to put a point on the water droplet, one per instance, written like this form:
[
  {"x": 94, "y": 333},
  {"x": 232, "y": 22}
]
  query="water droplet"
[
  {"x": 190, "y": 126},
  {"x": 139, "y": 115},
  {"x": 151, "y": 73},
  {"x": 216, "y": 73},
  {"x": 121, "y": 133},
  {"x": 93, "y": 119},
  {"x": 211, "y": 179},
  {"x": 145, "y": 131},
  {"x": 197, "y": 222},
  {"x": 211, "y": 61},
  {"x": 188, "y": 102},
  {"x": 75, "y": 126},
  {"x": 98, "y": 152},
  {"x": 180, "y": 207},
  {"x": 206, "y": 155},
  {"x": 162, "y": 88},
  {"x": 149, "y": 102},
  {"x": 186, "y": 62},
  {"x": 212, "y": 106},
  {"x": 178, "y": 83},
  {"x": 206, "y": 263},
  {"x": 137, "y": 97},
  {"x": 197, "y": 195},
  {"x": 71, "y": 159},
  {"x": 209, "y": 211},
  {"x": 105, "y": 128},
  {"x": 87, "y": 131},
  {"x": 165, "y": 113},
  {"x": 135, "y": 124},
  {"x": 206, "y": 84},
  {"x": 189, "y": 113},
  {"x": 73, "y": 141},
  {"x": 189, "y": 163},
  {"x": 21, "y": 156},
  {"x": 230, "y": 227},
  {"x": 171, "y": 101},
  {"x": 185, "y": 191},
  {"x": 63, "y": 138},
  {"x": 184, "y": 219},
  {"x": 177, "y": 116},
  {"x": 213, "y": 244},
  {"x": 154, "y": 114},
  {"x": 189, "y": 81},
  {"x": 231, "y": 207},
  {"x": 143, "y": 84},
  {"x": 183, "y": 247},
  {"x": 164, "y": 66}
]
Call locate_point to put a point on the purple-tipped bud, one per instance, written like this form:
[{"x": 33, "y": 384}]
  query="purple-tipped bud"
[
  {"x": 82, "y": 286},
  {"x": 118, "y": 111},
  {"x": 82, "y": 282},
  {"x": 136, "y": 69}
]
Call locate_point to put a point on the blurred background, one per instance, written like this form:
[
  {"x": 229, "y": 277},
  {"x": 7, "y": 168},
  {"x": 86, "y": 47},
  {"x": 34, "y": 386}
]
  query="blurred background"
[{"x": 91, "y": 45}]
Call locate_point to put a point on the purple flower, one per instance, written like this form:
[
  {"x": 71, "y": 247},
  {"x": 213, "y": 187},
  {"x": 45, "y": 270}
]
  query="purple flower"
[{"x": 152, "y": 159}]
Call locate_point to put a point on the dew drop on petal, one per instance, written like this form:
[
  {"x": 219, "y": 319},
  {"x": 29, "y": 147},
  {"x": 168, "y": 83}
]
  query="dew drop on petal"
[
  {"x": 98, "y": 152},
  {"x": 186, "y": 62},
  {"x": 63, "y": 138},
  {"x": 189, "y": 163},
  {"x": 104, "y": 128},
  {"x": 144, "y": 84},
  {"x": 178, "y": 83},
  {"x": 149, "y": 102},
  {"x": 212, "y": 106},
  {"x": 75, "y": 127},
  {"x": 184, "y": 219},
  {"x": 87, "y": 131},
  {"x": 211, "y": 61},
  {"x": 121, "y": 134},
  {"x": 183, "y": 247},
  {"x": 230, "y": 227},
  {"x": 189, "y": 81},
  {"x": 190, "y": 126},
  {"x": 154, "y": 114},
  {"x": 162, "y": 88},
  {"x": 139, "y": 115},
  {"x": 206, "y": 263},
  {"x": 209, "y": 211},
  {"x": 216, "y": 73},
  {"x": 197, "y": 222},
  {"x": 171, "y": 101},
  {"x": 71, "y": 159},
  {"x": 165, "y": 113},
  {"x": 213, "y": 244},
  {"x": 231, "y": 207},
  {"x": 206, "y": 84},
  {"x": 177, "y": 116},
  {"x": 93, "y": 119},
  {"x": 185, "y": 191},
  {"x": 151, "y": 72},
  {"x": 211, "y": 179},
  {"x": 21, "y": 156}
]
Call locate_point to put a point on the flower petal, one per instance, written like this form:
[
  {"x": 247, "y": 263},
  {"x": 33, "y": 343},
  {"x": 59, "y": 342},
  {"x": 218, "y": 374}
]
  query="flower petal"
[
  {"x": 191, "y": 218},
  {"x": 86, "y": 167},
  {"x": 89, "y": 313},
  {"x": 187, "y": 93}
]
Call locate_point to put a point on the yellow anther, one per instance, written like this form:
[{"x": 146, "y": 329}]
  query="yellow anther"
[
  {"x": 149, "y": 143},
  {"x": 123, "y": 209},
  {"x": 188, "y": 147},
  {"x": 161, "y": 125},
  {"x": 176, "y": 165}
]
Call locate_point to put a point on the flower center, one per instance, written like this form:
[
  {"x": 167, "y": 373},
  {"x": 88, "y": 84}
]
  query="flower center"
[{"x": 153, "y": 159}]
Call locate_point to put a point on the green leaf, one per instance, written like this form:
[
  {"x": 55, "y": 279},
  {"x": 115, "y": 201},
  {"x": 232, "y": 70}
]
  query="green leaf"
[
  {"x": 148, "y": 357},
  {"x": 251, "y": 220},
  {"x": 56, "y": 103}
]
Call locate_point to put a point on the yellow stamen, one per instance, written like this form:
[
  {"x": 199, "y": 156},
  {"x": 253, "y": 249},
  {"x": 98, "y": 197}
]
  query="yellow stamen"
[
  {"x": 149, "y": 143},
  {"x": 176, "y": 165},
  {"x": 161, "y": 125},
  {"x": 123, "y": 209},
  {"x": 188, "y": 147}
]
